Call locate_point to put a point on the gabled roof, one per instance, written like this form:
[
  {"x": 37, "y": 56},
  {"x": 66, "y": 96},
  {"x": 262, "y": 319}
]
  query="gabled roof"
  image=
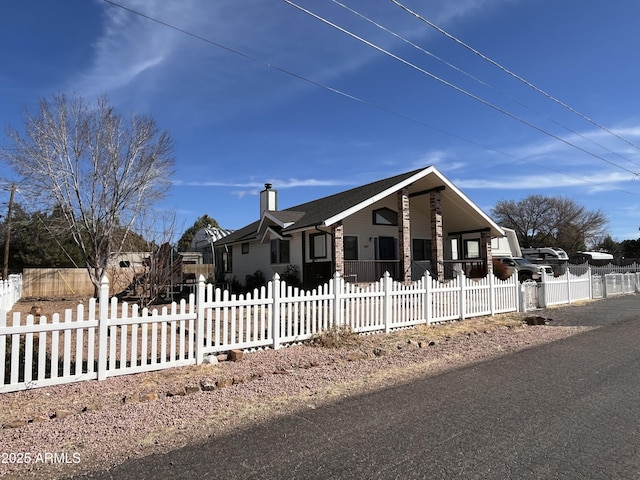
[{"x": 329, "y": 210}]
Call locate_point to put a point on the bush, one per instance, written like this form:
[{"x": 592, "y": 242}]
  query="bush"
[
  {"x": 500, "y": 270},
  {"x": 336, "y": 337},
  {"x": 254, "y": 281},
  {"x": 290, "y": 276}
]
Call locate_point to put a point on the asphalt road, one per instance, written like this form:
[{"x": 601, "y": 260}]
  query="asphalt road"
[{"x": 568, "y": 410}]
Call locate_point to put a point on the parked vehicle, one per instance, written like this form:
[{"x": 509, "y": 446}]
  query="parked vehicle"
[
  {"x": 545, "y": 254},
  {"x": 525, "y": 269},
  {"x": 596, "y": 255},
  {"x": 507, "y": 251}
]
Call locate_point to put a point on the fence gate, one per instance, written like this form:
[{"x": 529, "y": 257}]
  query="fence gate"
[{"x": 530, "y": 295}]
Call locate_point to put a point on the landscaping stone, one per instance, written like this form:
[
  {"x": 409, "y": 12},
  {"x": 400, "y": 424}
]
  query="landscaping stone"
[
  {"x": 210, "y": 360},
  {"x": 236, "y": 355},
  {"x": 176, "y": 392},
  {"x": 208, "y": 385},
  {"x": 222, "y": 357},
  {"x": 191, "y": 389}
]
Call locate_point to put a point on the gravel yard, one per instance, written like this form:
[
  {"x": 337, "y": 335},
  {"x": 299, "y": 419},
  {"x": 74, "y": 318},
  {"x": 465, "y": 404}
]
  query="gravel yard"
[{"x": 80, "y": 427}]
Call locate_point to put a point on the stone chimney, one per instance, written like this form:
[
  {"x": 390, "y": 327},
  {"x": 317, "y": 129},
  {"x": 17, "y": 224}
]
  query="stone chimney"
[{"x": 268, "y": 199}]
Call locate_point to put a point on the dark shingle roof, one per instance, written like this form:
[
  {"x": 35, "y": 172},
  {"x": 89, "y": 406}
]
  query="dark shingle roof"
[{"x": 317, "y": 211}]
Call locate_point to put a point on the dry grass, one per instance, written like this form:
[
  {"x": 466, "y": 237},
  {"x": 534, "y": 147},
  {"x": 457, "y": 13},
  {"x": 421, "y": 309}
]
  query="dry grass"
[{"x": 338, "y": 336}]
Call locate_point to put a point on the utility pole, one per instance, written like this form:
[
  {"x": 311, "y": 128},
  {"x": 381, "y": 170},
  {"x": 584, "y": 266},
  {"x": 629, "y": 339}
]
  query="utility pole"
[{"x": 5, "y": 269}]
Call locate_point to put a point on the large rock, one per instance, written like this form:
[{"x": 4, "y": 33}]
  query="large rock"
[
  {"x": 210, "y": 360},
  {"x": 236, "y": 355}
]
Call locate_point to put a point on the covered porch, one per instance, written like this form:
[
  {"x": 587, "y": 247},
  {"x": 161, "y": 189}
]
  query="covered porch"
[{"x": 460, "y": 237}]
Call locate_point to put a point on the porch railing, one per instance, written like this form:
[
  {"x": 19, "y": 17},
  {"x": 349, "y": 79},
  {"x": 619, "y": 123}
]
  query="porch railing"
[
  {"x": 366, "y": 271},
  {"x": 361, "y": 271}
]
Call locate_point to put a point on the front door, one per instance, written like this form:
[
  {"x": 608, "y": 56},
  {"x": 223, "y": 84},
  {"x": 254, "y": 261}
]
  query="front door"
[{"x": 387, "y": 256}]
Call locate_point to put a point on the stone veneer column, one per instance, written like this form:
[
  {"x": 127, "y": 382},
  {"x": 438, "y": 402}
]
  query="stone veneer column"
[
  {"x": 437, "y": 240},
  {"x": 487, "y": 255},
  {"x": 338, "y": 248},
  {"x": 404, "y": 235}
]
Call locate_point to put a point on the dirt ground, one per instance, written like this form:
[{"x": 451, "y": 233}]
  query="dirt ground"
[{"x": 334, "y": 345}]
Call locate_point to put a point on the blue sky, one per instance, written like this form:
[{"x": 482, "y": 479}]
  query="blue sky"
[{"x": 241, "y": 115}]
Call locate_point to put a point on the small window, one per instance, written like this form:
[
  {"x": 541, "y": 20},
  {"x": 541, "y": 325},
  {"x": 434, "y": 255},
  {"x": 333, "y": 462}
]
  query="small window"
[
  {"x": 279, "y": 251},
  {"x": 125, "y": 263},
  {"x": 472, "y": 248},
  {"x": 245, "y": 248},
  {"x": 454, "y": 249},
  {"x": 385, "y": 216},
  {"x": 227, "y": 259},
  {"x": 318, "y": 245},
  {"x": 350, "y": 243}
]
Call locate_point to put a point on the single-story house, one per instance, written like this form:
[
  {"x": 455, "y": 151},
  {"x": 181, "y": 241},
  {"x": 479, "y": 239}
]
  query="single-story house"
[{"x": 404, "y": 224}]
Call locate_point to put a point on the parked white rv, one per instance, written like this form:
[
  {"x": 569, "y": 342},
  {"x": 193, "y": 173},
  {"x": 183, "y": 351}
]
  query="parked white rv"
[{"x": 602, "y": 256}]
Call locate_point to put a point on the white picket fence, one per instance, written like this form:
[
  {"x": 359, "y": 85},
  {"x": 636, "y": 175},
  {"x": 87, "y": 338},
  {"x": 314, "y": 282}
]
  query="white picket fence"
[
  {"x": 107, "y": 338},
  {"x": 10, "y": 291},
  {"x": 570, "y": 287}
]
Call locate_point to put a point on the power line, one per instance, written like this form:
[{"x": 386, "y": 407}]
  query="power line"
[
  {"x": 476, "y": 79},
  {"x": 455, "y": 87},
  {"x": 514, "y": 75},
  {"x": 357, "y": 99}
]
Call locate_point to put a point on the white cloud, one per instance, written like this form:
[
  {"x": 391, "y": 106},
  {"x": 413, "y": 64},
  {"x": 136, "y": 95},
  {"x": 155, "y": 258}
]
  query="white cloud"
[
  {"x": 130, "y": 48},
  {"x": 596, "y": 181},
  {"x": 597, "y": 141},
  {"x": 255, "y": 187}
]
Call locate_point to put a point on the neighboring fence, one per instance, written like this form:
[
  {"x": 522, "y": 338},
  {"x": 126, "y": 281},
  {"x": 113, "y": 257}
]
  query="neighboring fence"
[
  {"x": 75, "y": 282},
  {"x": 570, "y": 287},
  {"x": 604, "y": 269},
  {"x": 107, "y": 338},
  {"x": 68, "y": 282}
]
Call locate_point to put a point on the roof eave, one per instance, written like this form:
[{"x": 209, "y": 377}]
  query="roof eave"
[{"x": 370, "y": 201}]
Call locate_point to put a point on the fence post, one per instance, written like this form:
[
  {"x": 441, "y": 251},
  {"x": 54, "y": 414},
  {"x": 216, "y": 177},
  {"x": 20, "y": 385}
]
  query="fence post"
[
  {"x": 590, "y": 282},
  {"x": 337, "y": 299},
  {"x": 200, "y": 320},
  {"x": 568, "y": 274},
  {"x": 462, "y": 278},
  {"x": 542, "y": 292},
  {"x": 386, "y": 309},
  {"x": 426, "y": 278},
  {"x": 492, "y": 293},
  {"x": 103, "y": 326},
  {"x": 275, "y": 320}
]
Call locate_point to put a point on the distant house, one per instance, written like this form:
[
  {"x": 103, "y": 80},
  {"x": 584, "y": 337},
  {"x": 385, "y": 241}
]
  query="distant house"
[
  {"x": 404, "y": 224},
  {"x": 203, "y": 241}
]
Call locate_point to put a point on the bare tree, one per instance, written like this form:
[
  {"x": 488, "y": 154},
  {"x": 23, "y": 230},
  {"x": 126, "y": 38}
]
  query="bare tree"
[
  {"x": 152, "y": 271},
  {"x": 100, "y": 170},
  {"x": 541, "y": 221}
]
